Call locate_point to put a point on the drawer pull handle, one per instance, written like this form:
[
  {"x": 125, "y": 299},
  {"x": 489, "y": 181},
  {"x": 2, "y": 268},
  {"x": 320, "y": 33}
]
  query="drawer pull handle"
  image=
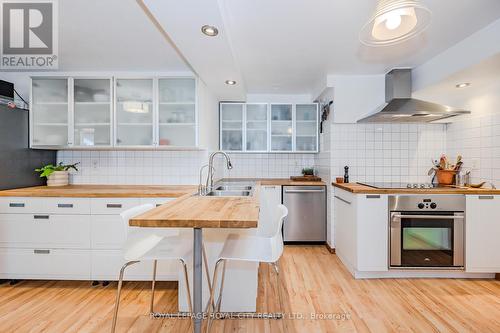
[
  {"x": 373, "y": 196},
  {"x": 486, "y": 197},
  {"x": 16, "y": 205},
  {"x": 114, "y": 205},
  {"x": 41, "y": 217},
  {"x": 65, "y": 205},
  {"x": 41, "y": 251},
  {"x": 343, "y": 200}
]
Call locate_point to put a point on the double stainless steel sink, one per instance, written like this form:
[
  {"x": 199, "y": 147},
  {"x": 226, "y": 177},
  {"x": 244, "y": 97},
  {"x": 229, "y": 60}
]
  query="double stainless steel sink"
[{"x": 231, "y": 189}]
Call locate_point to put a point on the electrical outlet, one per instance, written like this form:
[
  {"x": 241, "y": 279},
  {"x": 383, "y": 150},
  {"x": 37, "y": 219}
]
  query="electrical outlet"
[{"x": 475, "y": 164}]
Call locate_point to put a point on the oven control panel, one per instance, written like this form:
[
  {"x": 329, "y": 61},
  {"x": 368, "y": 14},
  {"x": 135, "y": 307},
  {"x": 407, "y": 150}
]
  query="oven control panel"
[{"x": 427, "y": 203}]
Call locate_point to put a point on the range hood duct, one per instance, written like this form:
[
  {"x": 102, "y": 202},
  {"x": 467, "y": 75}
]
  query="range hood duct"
[{"x": 400, "y": 107}]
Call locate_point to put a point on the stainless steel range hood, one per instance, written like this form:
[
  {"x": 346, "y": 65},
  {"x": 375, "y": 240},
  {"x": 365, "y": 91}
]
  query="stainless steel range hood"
[{"x": 400, "y": 107}]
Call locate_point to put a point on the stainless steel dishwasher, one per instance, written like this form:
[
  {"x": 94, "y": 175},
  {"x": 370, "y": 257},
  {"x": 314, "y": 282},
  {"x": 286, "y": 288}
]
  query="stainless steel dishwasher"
[{"x": 306, "y": 221}]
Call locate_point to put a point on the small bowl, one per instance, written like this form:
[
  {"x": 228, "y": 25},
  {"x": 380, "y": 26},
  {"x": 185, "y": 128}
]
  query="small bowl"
[{"x": 339, "y": 180}]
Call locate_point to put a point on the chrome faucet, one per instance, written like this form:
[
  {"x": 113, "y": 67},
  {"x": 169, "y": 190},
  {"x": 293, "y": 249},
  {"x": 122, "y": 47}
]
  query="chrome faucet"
[
  {"x": 202, "y": 190},
  {"x": 210, "y": 175}
]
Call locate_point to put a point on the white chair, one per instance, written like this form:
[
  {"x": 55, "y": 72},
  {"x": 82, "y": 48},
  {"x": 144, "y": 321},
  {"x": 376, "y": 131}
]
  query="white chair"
[
  {"x": 263, "y": 248},
  {"x": 144, "y": 244}
]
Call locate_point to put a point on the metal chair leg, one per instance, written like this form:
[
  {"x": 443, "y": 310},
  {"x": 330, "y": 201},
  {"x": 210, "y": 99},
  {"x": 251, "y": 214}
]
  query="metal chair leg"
[
  {"x": 153, "y": 283},
  {"x": 211, "y": 300},
  {"x": 279, "y": 288},
  {"x": 117, "y": 302},
  {"x": 219, "y": 299},
  {"x": 186, "y": 281},
  {"x": 207, "y": 272}
]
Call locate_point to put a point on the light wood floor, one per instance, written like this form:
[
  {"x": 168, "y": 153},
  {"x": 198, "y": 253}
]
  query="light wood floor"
[{"x": 315, "y": 280}]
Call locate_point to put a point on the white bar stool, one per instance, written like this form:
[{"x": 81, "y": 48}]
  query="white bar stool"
[
  {"x": 266, "y": 247},
  {"x": 144, "y": 244}
]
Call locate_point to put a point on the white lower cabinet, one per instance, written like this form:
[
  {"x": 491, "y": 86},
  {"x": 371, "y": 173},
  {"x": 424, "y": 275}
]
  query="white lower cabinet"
[
  {"x": 42, "y": 263},
  {"x": 106, "y": 265},
  {"x": 270, "y": 198},
  {"x": 70, "y": 238},
  {"x": 361, "y": 231},
  {"x": 44, "y": 230},
  {"x": 482, "y": 224}
]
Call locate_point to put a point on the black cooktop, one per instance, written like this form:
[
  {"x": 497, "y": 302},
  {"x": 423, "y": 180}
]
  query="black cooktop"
[{"x": 400, "y": 185}]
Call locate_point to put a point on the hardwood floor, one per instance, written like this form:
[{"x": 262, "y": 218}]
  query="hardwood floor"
[{"x": 315, "y": 280}]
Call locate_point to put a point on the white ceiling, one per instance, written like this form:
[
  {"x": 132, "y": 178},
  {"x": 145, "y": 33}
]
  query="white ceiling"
[
  {"x": 288, "y": 45},
  {"x": 112, "y": 35},
  {"x": 268, "y": 46},
  {"x": 480, "y": 76}
]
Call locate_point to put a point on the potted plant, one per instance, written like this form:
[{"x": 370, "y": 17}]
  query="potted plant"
[
  {"x": 308, "y": 172},
  {"x": 57, "y": 175}
]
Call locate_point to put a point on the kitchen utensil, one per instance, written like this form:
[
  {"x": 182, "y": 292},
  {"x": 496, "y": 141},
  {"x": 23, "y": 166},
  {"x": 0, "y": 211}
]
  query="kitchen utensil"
[{"x": 346, "y": 174}]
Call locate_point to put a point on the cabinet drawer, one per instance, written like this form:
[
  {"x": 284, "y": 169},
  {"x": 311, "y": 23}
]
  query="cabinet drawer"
[
  {"x": 111, "y": 206},
  {"x": 67, "y": 205},
  {"x": 106, "y": 265},
  {"x": 44, "y": 230},
  {"x": 45, "y": 264},
  {"x": 21, "y": 205},
  {"x": 107, "y": 232},
  {"x": 156, "y": 201}
]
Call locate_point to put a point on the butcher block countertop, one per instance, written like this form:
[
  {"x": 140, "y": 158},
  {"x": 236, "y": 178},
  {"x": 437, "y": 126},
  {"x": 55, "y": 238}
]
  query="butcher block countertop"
[
  {"x": 102, "y": 191},
  {"x": 278, "y": 181},
  {"x": 363, "y": 189},
  {"x": 193, "y": 211}
]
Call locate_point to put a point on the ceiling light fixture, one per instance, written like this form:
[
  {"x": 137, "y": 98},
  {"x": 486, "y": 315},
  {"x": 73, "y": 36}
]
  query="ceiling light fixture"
[
  {"x": 210, "y": 30},
  {"x": 462, "y": 85},
  {"x": 395, "y": 21},
  {"x": 230, "y": 82}
]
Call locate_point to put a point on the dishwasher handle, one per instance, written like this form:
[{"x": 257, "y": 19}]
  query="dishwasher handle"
[{"x": 305, "y": 191}]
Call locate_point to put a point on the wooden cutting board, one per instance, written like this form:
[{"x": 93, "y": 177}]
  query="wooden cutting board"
[{"x": 306, "y": 178}]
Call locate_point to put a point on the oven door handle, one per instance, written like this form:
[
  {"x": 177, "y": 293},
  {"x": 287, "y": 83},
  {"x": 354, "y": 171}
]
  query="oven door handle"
[{"x": 436, "y": 217}]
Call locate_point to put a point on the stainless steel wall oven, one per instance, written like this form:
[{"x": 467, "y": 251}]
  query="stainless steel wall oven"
[{"x": 427, "y": 232}]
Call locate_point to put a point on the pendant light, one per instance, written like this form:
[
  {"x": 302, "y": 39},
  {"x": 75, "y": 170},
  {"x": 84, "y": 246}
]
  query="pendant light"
[{"x": 395, "y": 21}]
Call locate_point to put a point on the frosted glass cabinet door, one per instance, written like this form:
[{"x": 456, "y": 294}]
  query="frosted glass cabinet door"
[
  {"x": 306, "y": 127},
  {"x": 92, "y": 112},
  {"x": 177, "y": 112},
  {"x": 231, "y": 116},
  {"x": 49, "y": 103},
  {"x": 281, "y": 127},
  {"x": 256, "y": 127},
  {"x": 134, "y": 112}
]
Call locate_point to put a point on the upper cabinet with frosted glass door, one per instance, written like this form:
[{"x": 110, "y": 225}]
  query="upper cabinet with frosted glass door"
[
  {"x": 306, "y": 127},
  {"x": 256, "y": 127},
  {"x": 177, "y": 112},
  {"x": 134, "y": 112},
  {"x": 50, "y": 124},
  {"x": 281, "y": 127},
  {"x": 92, "y": 112},
  {"x": 231, "y": 126}
]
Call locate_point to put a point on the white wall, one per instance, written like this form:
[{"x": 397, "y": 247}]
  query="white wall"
[
  {"x": 208, "y": 118},
  {"x": 278, "y": 98},
  {"x": 477, "y": 136},
  {"x": 356, "y": 96}
]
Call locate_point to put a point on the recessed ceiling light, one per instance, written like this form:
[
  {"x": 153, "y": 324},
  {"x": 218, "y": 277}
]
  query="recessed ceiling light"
[
  {"x": 230, "y": 82},
  {"x": 463, "y": 85},
  {"x": 210, "y": 30}
]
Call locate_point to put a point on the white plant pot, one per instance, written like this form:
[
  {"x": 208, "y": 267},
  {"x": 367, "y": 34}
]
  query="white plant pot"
[{"x": 58, "y": 178}]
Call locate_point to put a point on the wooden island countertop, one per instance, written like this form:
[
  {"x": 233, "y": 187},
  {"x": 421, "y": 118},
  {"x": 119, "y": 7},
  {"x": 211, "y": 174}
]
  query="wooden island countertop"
[
  {"x": 102, "y": 191},
  {"x": 364, "y": 189},
  {"x": 193, "y": 211}
]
